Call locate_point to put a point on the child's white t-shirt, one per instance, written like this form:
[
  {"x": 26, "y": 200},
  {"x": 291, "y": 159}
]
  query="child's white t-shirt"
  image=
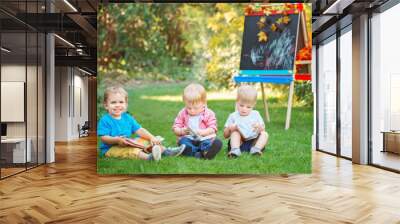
[
  {"x": 245, "y": 123},
  {"x": 194, "y": 122}
]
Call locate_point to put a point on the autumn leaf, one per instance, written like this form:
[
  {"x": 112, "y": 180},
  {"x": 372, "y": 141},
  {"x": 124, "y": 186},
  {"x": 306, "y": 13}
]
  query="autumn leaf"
[
  {"x": 304, "y": 53},
  {"x": 273, "y": 27},
  {"x": 260, "y": 25},
  {"x": 285, "y": 19},
  {"x": 262, "y": 36},
  {"x": 300, "y": 7},
  {"x": 279, "y": 21},
  {"x": 248, "y": 10}
]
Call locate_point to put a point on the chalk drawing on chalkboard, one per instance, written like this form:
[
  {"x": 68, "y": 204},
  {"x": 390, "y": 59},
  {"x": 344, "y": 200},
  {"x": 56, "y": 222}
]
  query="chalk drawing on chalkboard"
[
  {"x": 279, "y": 52},
  {"x": 275, "y": 50}
]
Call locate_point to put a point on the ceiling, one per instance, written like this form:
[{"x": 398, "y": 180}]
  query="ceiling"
[
  {"x": 74, "y": 22},
  {"x": 332, "y": 15}
]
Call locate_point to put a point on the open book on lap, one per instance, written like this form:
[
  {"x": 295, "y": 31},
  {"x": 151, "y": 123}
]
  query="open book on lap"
[
  {"x": 141, "y": 144},
  {"x": 200, "y": 138},
  {"x": 134, "y": 142},
  {"x": 193, "y": 136},
  {"x": 247, "y": 131}
]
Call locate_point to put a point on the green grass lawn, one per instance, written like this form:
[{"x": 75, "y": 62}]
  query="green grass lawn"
[{"x": 155, "y": 107}]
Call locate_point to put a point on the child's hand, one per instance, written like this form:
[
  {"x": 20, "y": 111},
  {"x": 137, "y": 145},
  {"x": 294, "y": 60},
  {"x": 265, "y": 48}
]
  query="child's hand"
[
  {"x": 122, "y": 141},
  {"x": 155, "y": 141},
  {"x": 257, "y": 127},
  {"x": 202, "y": 132},
  {"x": 185, "y": 131},
  {"x": 233, "y": 127}
]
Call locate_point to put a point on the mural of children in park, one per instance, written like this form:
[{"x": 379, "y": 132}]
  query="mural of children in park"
[{"x": 176, "y": 64}]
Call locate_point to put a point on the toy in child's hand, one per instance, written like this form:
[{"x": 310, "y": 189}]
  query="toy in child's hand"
[
  {"x": 192, "y": 132},
  {"x": 185, "y": 131}
]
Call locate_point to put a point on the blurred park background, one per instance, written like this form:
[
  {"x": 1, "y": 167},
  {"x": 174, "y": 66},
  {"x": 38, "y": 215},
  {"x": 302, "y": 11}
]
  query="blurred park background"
[{"x": 178, "y": 42}]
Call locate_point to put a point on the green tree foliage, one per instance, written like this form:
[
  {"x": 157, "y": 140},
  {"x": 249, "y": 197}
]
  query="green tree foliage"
[
  {"x": 303, "y": 93},
  {"x": 142, "y": 41},
  {"x": 171, "y": 41},
  {"x": 225, "y": 44}
]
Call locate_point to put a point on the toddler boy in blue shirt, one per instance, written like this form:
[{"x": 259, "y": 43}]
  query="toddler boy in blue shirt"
[{"x": 116, "y": 127}]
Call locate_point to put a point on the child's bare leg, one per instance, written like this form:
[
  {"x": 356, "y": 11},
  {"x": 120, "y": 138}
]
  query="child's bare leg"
[
  {"x": 162, "y": 148},
  {"x": 262, "y": 140},
  {"x": 235, "y": 140},
  {"x": 235, "y": 144}
]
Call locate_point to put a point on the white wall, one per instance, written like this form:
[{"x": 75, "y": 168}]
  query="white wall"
[
  {"x": 80, "y": 100},
  {"x": 61, "y": 103},
  {"x": 70, "y": 83},
  {"x": 14, "y": 73}
]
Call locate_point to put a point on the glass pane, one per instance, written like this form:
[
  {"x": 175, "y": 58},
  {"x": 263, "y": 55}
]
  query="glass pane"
[
  {"x": 346, "y": 94},
  {"x": 41, "y": 99},
  {"x": 327, "y": 97},
  {"x": 31, "y": 97},
  {"x": 13, "y": 72},
  {"x": 22, "y": 67},
  {"x": 386, "y": 89}
]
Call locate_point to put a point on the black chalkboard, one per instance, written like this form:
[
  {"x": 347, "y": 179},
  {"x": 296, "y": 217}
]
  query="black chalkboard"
[{"x": 277, "y": 50}]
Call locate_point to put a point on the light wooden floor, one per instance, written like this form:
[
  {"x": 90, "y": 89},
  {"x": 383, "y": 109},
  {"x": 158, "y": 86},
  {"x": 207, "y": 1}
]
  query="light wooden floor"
[
  {"x": 70, "y": 191},
  {"x": 9, "y": 171}
]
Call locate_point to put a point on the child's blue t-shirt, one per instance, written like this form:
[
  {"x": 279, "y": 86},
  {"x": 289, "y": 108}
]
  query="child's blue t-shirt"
[{"x": 125, "y": 126}]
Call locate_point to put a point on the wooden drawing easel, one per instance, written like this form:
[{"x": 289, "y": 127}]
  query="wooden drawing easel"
[
  {"x": 301, "y": 37},
  {"x": 302, "y": 33}
]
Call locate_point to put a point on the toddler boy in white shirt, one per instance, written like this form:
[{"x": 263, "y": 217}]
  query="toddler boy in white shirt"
[{"x": 245, "y": 127}]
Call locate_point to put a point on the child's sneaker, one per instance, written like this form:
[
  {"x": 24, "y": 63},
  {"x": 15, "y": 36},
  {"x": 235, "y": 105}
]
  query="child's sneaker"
[
  {"x": 214, "y": 149},
  {"x": 174, "y": 151},
  {"x": 235, "y": 152},
  {"x": 255, "y": 151},
  {"x": 198, "y": 155},
  {"x": 156, "y": 152}
]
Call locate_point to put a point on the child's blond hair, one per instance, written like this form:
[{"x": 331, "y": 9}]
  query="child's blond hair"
[
  {"x": 247, "y": 94},
  {"x": 194, "y": 93},
  {"x": 113, "y": 90}
]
